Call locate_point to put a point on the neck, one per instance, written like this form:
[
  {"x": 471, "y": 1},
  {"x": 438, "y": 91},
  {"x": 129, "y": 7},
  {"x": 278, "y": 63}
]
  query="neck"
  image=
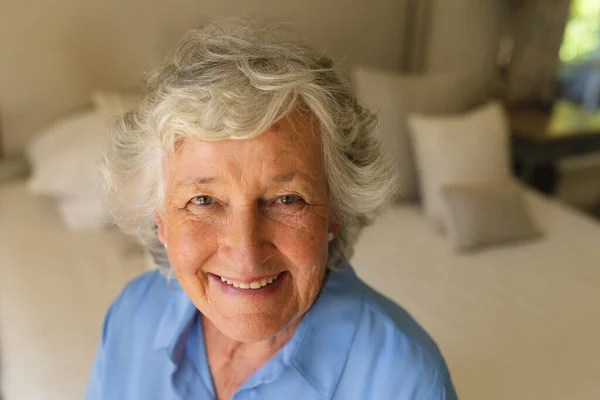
[
  {"x": 222, "y": 346},
  {"x": 231, "y": 362}
]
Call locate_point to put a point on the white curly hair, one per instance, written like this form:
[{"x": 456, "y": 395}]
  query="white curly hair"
[{"x": 234, "y": 79}]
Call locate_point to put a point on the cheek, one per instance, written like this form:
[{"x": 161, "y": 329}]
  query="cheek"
[
  {"x": 306, "y": 253},
  {"x": 191, "y": 244},
  {"x": 306, "y": 250},
  {"x": 304, "y": 244}
]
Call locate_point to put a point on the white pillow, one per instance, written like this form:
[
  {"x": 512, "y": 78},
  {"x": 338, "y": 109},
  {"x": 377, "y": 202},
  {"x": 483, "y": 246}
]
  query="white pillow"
[
  {"x": 394, "y": 96},
  {"x": 471, "y": 148},
  {"x": 54, "y": 138},
  {"x": 81, "y": 213},
  {"x": 68, "y": 165},
  {"x": 112, "y": 103}
]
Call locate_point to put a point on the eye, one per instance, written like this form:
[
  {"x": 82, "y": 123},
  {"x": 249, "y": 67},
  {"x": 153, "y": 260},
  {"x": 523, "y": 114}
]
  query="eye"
[
  {"x": 289, "y": 199},
  {"x": 202, "y": 201}
]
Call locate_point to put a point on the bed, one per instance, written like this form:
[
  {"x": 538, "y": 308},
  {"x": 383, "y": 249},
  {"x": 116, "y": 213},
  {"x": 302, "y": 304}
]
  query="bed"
[
  {"x": 521, "y": 321},
  {"x": 514, "y": 322},
  {"x": 55, "y": 286}
]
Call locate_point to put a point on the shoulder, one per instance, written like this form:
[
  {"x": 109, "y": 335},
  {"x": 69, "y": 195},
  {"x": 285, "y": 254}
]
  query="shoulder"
[
  {"x": 151, "y": 283},
  {"x": 382, "y": 316},
  {"x": 142, "y": 301},
  {"x": 131, "y": 331},
  {"x": 402, "y": 357},
  {"x": 395, "y": 323},
  {"x": 135, "y": 320}
]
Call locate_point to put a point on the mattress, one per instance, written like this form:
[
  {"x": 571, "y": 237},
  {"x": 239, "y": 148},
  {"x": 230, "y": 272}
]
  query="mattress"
[
  {"x": 55, "y": 287},
  {"x": 519, "y": 321}
]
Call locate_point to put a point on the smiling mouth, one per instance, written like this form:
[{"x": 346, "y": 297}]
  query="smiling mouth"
[{"x": 258, "y": 284}]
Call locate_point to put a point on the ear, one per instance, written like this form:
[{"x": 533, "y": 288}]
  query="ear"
[
  {"x": 334, "y": 228},
  {"x": 161, "y": 225}
]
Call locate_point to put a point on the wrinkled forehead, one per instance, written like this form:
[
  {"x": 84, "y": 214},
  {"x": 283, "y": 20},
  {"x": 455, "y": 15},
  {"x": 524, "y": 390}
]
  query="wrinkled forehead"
[{"x": 293, "y": 145}]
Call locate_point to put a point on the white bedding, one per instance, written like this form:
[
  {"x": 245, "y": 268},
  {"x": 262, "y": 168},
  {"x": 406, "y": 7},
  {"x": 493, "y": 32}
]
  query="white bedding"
[
  {"x": 55, "y": 286},
  {"x": 514, "y": 322}
]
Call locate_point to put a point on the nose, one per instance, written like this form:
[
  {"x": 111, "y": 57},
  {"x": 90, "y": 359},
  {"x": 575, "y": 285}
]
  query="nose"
[{"x": 244, "y": 239}]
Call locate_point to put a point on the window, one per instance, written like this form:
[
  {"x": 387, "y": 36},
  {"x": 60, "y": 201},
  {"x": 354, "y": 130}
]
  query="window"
[{"x": 582, "y": 32}]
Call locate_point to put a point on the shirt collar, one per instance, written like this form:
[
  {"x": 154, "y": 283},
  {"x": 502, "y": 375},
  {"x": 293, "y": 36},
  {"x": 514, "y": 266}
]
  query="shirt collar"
[
  {"x": 321, "y": 345},
  {"x": 175, "y": 324},
  {"x": 326, "y": 332}
]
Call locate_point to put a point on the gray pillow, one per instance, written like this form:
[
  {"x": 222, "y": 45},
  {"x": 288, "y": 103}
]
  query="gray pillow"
[{"x": 483, "y": 215}]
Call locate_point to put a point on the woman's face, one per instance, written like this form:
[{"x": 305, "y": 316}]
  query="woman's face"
[{"x": 246, "y": 223}]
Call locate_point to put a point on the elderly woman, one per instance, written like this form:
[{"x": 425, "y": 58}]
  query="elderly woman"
[{"x": 252, "y": 164}]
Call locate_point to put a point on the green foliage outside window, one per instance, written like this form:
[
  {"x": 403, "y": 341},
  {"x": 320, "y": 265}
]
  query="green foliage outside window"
[{"x": 582, "y": 33}]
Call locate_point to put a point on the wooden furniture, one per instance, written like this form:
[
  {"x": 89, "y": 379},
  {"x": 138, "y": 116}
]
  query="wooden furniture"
[{"x": 540, "y": 139}]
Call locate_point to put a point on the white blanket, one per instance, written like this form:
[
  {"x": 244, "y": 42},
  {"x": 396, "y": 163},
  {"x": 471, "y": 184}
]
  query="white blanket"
[
  {"x": 514, "y": 322},
  {"x": 55, "y": 287}
]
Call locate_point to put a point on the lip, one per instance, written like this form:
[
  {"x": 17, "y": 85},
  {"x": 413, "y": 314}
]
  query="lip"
[
  {"x": 248, "y": 279},
  {"x": 268, "y": 290}
]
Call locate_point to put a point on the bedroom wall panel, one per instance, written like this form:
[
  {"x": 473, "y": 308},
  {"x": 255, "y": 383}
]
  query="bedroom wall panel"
[
  {"x": 52, "y": 54},
  {"x": 464, "y": 37}
]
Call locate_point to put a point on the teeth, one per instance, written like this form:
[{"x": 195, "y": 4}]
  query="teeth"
[{"x": 252, "y": 285}]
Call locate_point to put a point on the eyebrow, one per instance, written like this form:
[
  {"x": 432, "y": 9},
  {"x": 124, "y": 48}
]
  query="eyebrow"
[
  {"x": 284, "y": 178},
  {"x": 206, "y": 180},
  {"x": 195, "y": 181}
]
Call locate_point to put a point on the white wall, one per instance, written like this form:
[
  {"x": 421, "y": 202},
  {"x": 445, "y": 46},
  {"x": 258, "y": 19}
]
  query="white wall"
[
  {"x": 464, "y": 36},
  {"x": 52, "y": 53}
]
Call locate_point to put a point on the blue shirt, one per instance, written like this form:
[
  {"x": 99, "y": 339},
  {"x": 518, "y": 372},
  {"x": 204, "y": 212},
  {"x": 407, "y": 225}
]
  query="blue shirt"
[{"x": 353, "y": 343}]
